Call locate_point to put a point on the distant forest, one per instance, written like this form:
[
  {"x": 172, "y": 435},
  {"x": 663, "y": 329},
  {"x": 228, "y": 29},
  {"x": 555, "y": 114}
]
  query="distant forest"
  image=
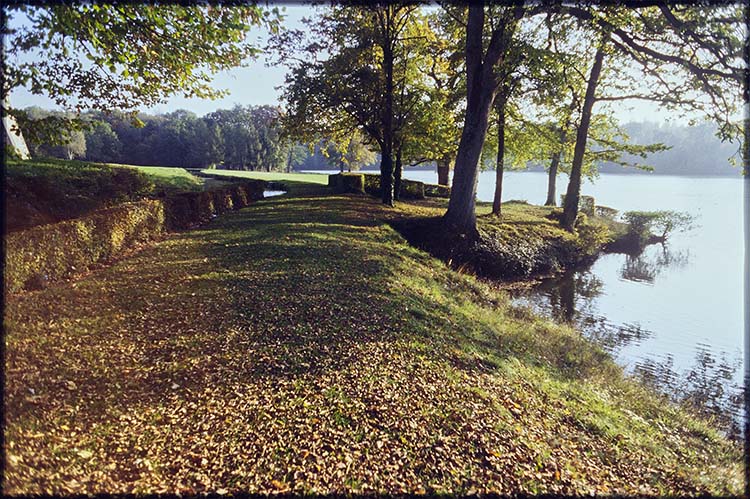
[
  {"x": 249, "y": 138},
  {"x": 695, "y": 150}
]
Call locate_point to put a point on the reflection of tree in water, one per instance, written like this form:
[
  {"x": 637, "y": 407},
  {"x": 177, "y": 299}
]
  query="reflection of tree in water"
[
  {"x": 571, "y": 295},
  {"x": 647, "y": 265},
  {"x": 571, "y": 299},
  {"x": 707, "y": 388},
  {"x": 612, "y": 337}
]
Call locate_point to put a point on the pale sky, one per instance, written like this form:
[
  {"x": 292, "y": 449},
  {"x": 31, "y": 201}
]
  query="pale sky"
[{"x": 256, "y": 84}]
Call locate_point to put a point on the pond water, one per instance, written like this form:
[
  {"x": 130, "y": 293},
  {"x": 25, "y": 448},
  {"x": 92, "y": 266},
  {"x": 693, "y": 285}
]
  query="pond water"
[
  {"x": 672, "y": 315},
  {"x": 272, "y": 193}
]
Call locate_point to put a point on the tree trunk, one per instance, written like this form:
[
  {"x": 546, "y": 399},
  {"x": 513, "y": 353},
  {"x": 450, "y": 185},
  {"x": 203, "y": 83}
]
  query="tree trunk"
[
  {"x": 500, "y": 164},
  {"x": 386, "y": 176},
  {"x": 462, "y": 202},
  {"x": 443, "y": 170},
  {"x": 397, "y": 176},
  {"x": 568, "y": 298},
  {"x": 481, "y": 86},
  {"x": 570, "y": 210},
  {"x": 552, "y": 180},
  {"x": 386, "y": 163}
]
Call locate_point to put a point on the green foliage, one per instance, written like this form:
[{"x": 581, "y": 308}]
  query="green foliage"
[
  {"x": 125, "y": 56},
  {"x": 410, "y": 189},
  {"x": 639, "y": 224},
  {"x": 347, "y": 182},
  {"x": 436, "y": 190},
  {"x": 245, "y": 137},
  {"x": 665, "y": 222},
  {"x": 102, "y": 144},
  {"x": 53, "y": 190},
  {"x": 51, "y": 252},
  {"x": 251, "y": 138},
  {"x": 350, "y": 153}
]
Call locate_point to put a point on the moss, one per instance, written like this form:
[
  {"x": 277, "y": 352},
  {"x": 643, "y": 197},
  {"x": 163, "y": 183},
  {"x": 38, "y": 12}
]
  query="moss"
[{"x": 347, "y": 182}]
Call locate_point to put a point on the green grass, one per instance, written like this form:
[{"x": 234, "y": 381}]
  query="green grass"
[
  {"x": 47, "y": 191},
  {"x": 311, "y": 178},
  {"x": 302, "y": 345},
  {"x": 50, "y": 190},
  {"x": 177, "y": 179}
]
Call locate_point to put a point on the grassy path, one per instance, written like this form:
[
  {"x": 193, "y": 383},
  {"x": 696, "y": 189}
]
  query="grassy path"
[{"x": 301, "y": 345}]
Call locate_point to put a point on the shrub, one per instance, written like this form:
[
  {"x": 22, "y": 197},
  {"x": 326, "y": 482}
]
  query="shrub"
[
  {"x": 412, "y": 189},
  {"x": 372, "y": 185},
  {"x": 606, "y": 212},
  {"x": 586, "y": 204},
  {"x": 51, "y": 252},
  {"x": 347, "y": 182},
  {"x": 55, "y": 251},
  {"x": 642, "y": 223},
  {"x": 51, "y": 191},
  {"x": 438, "y": 191}
]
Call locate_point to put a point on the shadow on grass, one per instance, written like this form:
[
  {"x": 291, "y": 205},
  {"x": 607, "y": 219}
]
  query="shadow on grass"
[{"x": 283, "y": 289}]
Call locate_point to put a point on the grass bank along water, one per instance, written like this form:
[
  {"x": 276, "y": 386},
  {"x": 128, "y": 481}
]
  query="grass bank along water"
[
  {"x": 301, "y": 344},
  {"x": 526, "y": 241}
]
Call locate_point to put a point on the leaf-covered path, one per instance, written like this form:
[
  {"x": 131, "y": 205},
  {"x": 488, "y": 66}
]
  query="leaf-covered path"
[{"x": 301, "y": 345}]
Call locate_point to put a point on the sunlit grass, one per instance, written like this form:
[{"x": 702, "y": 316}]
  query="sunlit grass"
[
  {"x": 312, "y": 178},
  {"x": 301, "y": 344}
]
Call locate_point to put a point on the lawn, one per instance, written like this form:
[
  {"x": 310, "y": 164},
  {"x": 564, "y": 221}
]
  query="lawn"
[
  {"x": 312, "y": 178},
  {"x": 42, "y": 191},
  {"x": 301, "y": 345}
]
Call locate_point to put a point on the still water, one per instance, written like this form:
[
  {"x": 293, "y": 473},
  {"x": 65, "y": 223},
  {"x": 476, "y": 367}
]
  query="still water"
[{"x": 672, "y": 315}]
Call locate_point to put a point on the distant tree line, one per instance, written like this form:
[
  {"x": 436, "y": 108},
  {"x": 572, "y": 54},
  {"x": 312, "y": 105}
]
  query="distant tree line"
[
  {"x": 248, "y": 138},
  {"x": 241, "y": 138},
  {"x": 694, "y": 150}
]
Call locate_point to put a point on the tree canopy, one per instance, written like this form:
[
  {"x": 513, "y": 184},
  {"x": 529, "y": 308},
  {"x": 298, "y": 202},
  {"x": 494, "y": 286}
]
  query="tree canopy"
[{"x": 124, "y": 56}]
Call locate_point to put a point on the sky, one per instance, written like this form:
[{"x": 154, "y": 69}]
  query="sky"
[{"x": 257, "y": 84}]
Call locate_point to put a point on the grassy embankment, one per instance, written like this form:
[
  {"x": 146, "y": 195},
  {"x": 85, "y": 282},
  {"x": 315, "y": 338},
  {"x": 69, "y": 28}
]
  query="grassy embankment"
[
  {"x": 305, "y": 178},
  {"x": 301, "y": 344},
  {"x": 47, "y": 191}
]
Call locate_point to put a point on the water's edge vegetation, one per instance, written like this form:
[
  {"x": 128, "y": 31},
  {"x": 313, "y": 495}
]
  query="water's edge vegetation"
[{"x": 302, "y": 344}]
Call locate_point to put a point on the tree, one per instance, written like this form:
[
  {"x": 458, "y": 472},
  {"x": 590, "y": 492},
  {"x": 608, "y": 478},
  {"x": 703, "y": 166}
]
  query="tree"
[
  {"x": 68, "y": 144},
  {"x": 102, "y": 144},
  {"x": 434, "y": 125},
  {"x": 353, "y": 76},
  {"x": 351, "y": 154},
  {"x": 482, "y": 82},
  {"x": 658, "y": 39},
  {"x": 124, "y": 55},
  {"x": 705, "y": 66}
]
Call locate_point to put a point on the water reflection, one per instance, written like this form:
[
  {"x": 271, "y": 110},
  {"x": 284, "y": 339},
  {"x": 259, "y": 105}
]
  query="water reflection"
[
  {"x": 706, "y": 387},
  {"x": 571, "y": 295},
  {"x": 646, "y": 266}
]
